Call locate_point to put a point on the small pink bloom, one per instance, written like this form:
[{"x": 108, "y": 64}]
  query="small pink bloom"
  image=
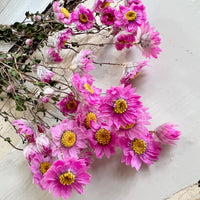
[
  {"x": 138, "y": 149},
  {"x": 167, "y": 134},
  {"x": 68, "y": 105},
  {"x": 148, "y": 41},
  {"x": 43, "y": 145},
  {"x": 29, "y": 42},
  {"x": 65, "y": 35},
  {"x": 120, "y": 106},
  {"x": 53, "y": 56},
  {"x": 85, "y": 90},
  {"x": 68, "y": 139},
  {"x": 30, "y": 151},
  {"x": 108, "y": 16},
  {"x": 65, "y": 176},
  {"x": 124, "y": 39},
  {"x": 10, "y": 89},
  {"x": 43, "y": 73},
  {"x": 100, "y": 5},
  {"x": 102, "y": 140},
  {"x": 43, "y": 99},
  {"x": 130, "y": 2},
  {"x": 48, "y": 92},
  {"x": 132, "y": 71},
  {"x": 39, "y": 166},
  {"x": 26, "y": 127},
  {"x": 38, "y": 17},
  {"x": 83, "y": 18},
  {"x": 130, "y": 17}
]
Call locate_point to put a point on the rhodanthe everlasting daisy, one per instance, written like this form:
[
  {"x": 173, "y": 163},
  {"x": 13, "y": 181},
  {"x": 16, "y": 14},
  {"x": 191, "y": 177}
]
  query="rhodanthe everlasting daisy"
[
  {"x": 64, "y": 36},
  {"x": 62, "y": 14},
  {"x": 65, "y": 176},
  {"x": 39, "y": 166},
  {"x": 26, "y": 128},
  {"x": 43, "y": 73},
  {"x": 102, "y": 140},
  {"x": 139, "y": 127},
  {"x": 131, "y": 71},
  {"x": 100, "y": 5},
  {"x": 68, "y": 139},
  {"x": 138, "y": 149},
  {"x": 124, "y": 39},
  {"x": 120, "y": 106},
  {"x": 43, "y": 145},
  {"x": 85, "y": 90},
  {"x": 53, "y": 56},
  {"x": 68, "y": 105},
  {"x": 83, "y": 62},
  {"x": 83, "y": 18},
  {"x": 108, "y": 16},
  {"x": 167, "y": 134},
  {"x": 148, "y": 41},
  {"x": 30, "y": 151},
  {"x": 130, "y": 17}
]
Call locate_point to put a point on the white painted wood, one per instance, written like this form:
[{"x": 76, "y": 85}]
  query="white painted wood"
[{"x": 170, "y": 89}]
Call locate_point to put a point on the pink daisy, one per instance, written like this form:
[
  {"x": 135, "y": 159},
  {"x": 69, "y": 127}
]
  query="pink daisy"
[
  {"x": 108, "y": 16},
  {"x": 65, "y": 35},
  {"x": 132, "y": 71},
  {"x": 39, "y": 166},
  {"x": 124, "y": 39},
  {"x": 148, "y": 41},
  {"x": 43, "y": 145},
  {"x": 138, "y": 127},
  {"x": 130, "y": 17},
  {"x": 26, "y": 128},
  {"x": 68, "y": 139},
  {"x": 65, "y": 176},
  {"x": 86, "y": 114},
  {"x": 62, "y": 14},
  {"x": 43, "y": 73},
  {"x": 68, "y": 105},
  {"x": 83, "y": 62},
  {"x": 140, "y": 148},
  {"x": 84, "y": 89},
  {"x": 120, "y": 106},
  {"x": 102, "y": 140},
  {"x": 83, "y": 18},
  {"x": 167, "y": 134},
  {"x": 53, "y": 56},
  {"x": 100, "y": 5}
]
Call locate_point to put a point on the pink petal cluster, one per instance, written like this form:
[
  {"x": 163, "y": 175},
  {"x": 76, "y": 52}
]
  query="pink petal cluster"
[
  {"x": 83, "y": 18},
  {"x": 130, "y": 25},
  {"x": 63, "y": 17},
  {"x": 26, "y": 128},
  {"x": 58, "y": 148},
  {"x": 53, "y": 56},
  {"x": 65, "y": 35},
  {"x": 167, "y": 134},
  {"x": 30, "y": 151},
  {"x": 117, "y": 98},
  {"x": 132, "y": 71},
  {"x": 74, "y": 167},
  {"x": 124, "y": 39},
  {"x": 43, "y": 145},
  {"x": 151, "y": 153},
  {"x": 43, "y": 73},
  {"x": 108, "y": 16},
  {"x": 100, "y": 5},
  {"x": 148, "y": 40}
]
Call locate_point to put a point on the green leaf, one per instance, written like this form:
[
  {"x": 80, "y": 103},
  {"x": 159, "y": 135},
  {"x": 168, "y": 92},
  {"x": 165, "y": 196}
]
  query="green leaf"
[{"x": 7, "y": 139}]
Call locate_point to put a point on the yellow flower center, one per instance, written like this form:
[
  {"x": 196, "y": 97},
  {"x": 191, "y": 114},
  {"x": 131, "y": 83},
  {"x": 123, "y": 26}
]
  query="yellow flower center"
[
  {"x": 71, "y": 105},
  {"x": 89, "y": 116},
  {"x": 65, "y": 12},
  {"x": 120, "y": 106},
  {"x": 88, "y": 88},
  {"x": 83, "y": 18},
  {"x": 105, "y": 4},
  {"x": 44, "y": 166},
  {"x": 68, "y": 139},
  {"x": 131, "y": 15},
  {"x": 127, "y": 126},
  {"x": 103, "y": 136},
  {"x": 139, "y": 146},
  {"x": 67, "y": 178}
]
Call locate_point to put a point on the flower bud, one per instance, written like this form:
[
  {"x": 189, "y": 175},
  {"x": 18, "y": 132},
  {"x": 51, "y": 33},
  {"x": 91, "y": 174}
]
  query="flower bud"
[
  {"x": 29, "y": 42},
  {"x": 43, "y": 145},
  {"x": 48, "y": 92},
  {"x": 37, "y": 17},
  {"x": 10, "y": 89},
  {"x": 30, "y": 151}
]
